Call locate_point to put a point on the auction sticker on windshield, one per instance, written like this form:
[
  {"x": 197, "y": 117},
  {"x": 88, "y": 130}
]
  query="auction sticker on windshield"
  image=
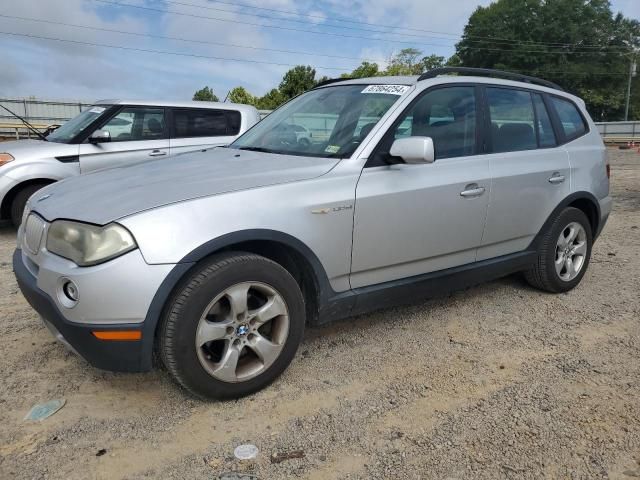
[
  {"x": 97, "y": 110},
  {"x": 388, "y": 89}
]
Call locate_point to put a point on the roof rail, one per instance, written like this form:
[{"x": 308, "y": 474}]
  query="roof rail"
[
  {"x": 488, "y": 72},
  {"x": 332, "y": 80}
]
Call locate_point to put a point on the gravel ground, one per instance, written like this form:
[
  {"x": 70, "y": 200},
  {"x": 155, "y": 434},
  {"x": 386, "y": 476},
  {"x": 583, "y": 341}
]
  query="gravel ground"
[{"x": 498, "y": 381}]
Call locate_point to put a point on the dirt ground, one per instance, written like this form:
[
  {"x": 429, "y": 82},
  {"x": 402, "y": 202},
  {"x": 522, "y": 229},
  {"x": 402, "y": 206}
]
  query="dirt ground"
[{"x": 498, "y": 381}]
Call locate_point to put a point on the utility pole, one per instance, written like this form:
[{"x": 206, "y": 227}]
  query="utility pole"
[{"x": 632, "y": 73}]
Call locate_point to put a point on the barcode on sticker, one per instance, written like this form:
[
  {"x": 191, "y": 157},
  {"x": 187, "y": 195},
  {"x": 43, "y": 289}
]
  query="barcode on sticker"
[{"x": 388, "y": 89}]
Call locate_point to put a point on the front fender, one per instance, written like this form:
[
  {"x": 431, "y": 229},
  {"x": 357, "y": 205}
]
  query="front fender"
[{"x": 40, "y": 169}]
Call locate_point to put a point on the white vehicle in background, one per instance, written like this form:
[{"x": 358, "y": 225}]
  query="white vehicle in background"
[
  {"x": 114, "y": 133},
  {"x": 303, "y": 135}
]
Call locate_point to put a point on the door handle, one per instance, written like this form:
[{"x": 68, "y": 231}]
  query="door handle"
[
  {"x": 556, "y": 178},
  {"x": 157, "y": 153},
  {"x": 472, "y": 190}
]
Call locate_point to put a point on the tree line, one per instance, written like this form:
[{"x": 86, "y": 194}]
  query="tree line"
[{"x": 579, "y": 44}]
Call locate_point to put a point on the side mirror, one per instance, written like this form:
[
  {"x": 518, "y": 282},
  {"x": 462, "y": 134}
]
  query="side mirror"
[
  {"x": 100, "y": 136},
  {"x": 414, "y": 150}
]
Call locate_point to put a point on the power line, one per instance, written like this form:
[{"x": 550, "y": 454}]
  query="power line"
[
  {"x": 455, "y": 36},
  {"x": 165, "y": 52},
  {"x": 206, "y": 42},
  {"x": 138, "y": 34},
  {"x": 280, "y": 27}
]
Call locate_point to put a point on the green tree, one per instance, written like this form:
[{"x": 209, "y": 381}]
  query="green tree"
[
  {"x": 240, "y": 95},
  {"x": 404, "y": 62},
  {"x": 297, "y": 80},
  {"x": 429, "y": 63},
  {"x": 272, "y": 100},
  {"x": 366, "y": 69},
  {"x": 578, "y": 44},
  {"x": 205, "y": 95}
]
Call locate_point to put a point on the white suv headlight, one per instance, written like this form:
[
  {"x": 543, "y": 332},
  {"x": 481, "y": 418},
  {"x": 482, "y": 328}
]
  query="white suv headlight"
[{"x": 86, "y": 244}]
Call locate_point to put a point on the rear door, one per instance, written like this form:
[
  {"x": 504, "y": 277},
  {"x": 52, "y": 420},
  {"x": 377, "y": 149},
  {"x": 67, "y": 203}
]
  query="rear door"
[
  {"x": 530, "y": 171},
  {"x": 137, "y": 134},
  {"x": 198, "y": 128},
  {"x": 416, "y": 219}
]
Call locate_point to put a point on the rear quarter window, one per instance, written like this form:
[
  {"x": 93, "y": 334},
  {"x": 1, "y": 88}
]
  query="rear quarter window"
[
  {"x": 571, "y": 120},
  {"x": 188, "y": 123}
]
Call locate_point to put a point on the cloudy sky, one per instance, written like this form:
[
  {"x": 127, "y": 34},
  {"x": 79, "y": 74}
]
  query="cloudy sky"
[{"x": 221, "y": 43}]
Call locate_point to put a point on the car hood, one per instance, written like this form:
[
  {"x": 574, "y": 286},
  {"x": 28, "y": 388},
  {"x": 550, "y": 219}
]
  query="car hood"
[
  {"x": 28, "y": 149},
  {"x": 108, "y": 195}
]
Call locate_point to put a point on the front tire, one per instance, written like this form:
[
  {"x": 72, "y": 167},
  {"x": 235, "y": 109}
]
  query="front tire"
[
  {"x": 20, "y": 202},
  {"x": 233, "y": 326},
  {"x": 565, "y": 250}
]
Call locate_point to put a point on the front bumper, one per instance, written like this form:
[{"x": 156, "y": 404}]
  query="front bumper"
[{"x": 121, "y": 356}]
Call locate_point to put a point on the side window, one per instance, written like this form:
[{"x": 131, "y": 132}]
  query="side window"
[
  {"x": 512, "y": 120},
  {"x": 136, "y": 123},
  {"x": 447, "y": 115},
  {"x": 570, "y": 118},
  {"x": 205, "y": 123},
  {"x": 546, "y": 136}
]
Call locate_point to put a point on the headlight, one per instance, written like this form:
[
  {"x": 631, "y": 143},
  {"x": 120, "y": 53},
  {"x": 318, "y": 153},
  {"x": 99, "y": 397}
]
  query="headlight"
[
  {"x": 5, "y": 158},
  {"x": 86, "y": 244}
]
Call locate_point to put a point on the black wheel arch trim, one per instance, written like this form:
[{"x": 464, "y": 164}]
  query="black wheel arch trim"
[
  {"x": 180, "y": 270},
  {"x": 564, "y": 204},
  {"x": 253, "y": 235}
]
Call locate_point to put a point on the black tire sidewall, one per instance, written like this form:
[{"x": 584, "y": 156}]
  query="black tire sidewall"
[
  {"x": 193, "y": 298},
  {"x": 568, "y": 216},
  {"x": 20, "y": 202}
]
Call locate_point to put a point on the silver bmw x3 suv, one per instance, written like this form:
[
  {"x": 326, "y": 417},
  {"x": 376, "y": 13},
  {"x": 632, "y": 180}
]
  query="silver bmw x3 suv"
[{"x": 405, "y": 187}]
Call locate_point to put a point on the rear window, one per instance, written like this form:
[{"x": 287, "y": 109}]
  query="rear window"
[
  {"x": 205, "y": 123},
  {"x": 571, "y": 120}
]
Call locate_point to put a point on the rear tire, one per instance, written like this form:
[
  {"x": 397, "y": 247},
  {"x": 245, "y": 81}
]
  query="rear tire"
[
  {"x": 564, "y": 253},
  {"x": 20, "y": 202},
  {"x": 233, "y": 326}
]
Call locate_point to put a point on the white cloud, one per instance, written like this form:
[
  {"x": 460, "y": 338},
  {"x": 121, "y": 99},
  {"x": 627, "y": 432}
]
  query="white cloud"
[{"x": 48, "y": 68}]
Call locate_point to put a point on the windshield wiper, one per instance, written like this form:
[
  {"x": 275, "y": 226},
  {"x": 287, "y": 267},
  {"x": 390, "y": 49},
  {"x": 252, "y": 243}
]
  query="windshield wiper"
[
  {"x": 256, "y": 149},
  {"x": 27, "y": 124}
]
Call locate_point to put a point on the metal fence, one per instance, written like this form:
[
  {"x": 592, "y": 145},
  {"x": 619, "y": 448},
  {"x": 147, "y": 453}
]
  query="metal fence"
[
  {"x": 619, "y": 132},
  {"x": 42, "y": 113}
]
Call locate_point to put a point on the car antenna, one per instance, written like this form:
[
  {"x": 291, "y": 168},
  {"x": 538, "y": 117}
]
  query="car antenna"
[{"x": 28, "y": 125}]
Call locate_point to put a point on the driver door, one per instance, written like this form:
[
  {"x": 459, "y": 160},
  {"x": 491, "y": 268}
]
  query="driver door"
[
  {"x": 415, "y": 219},
  {"x": 137, "y": 134}
]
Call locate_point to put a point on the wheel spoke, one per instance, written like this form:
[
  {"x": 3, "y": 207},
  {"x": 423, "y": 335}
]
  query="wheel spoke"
[
  {"x": 273, "y": 308},
  {"x": 238, "y": 296},
  {"x": 208, "y": 331},
  {"x": 568, "y": 264},
  {"x": 225, "y": 369},
  {"x": 580, "y": 248},
  {"x": 573, "y": 233},
  {"x": 266, "y": 350}
]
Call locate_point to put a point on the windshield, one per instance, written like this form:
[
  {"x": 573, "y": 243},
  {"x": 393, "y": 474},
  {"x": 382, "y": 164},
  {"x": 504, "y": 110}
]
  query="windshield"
[
  {"x": 67, "y": 132},
  {"x": 328, "y": 122}
]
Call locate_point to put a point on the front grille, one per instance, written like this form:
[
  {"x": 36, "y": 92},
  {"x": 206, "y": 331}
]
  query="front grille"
[{"x": 33, "y": 230}]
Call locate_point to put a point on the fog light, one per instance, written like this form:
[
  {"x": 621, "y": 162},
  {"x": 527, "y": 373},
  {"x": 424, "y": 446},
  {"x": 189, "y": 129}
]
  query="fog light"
[{"x": 70, "y": 290}]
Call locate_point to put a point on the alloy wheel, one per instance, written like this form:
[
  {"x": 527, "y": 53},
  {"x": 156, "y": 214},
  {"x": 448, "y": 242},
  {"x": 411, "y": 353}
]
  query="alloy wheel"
[
  {"x": 242, "y": 331},
  {"x": 571, "y": 251}
]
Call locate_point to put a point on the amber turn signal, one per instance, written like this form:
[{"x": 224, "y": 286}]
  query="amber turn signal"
[
  {"x": 118, "y": 335},
  {"x": 5, "y": 158}
]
